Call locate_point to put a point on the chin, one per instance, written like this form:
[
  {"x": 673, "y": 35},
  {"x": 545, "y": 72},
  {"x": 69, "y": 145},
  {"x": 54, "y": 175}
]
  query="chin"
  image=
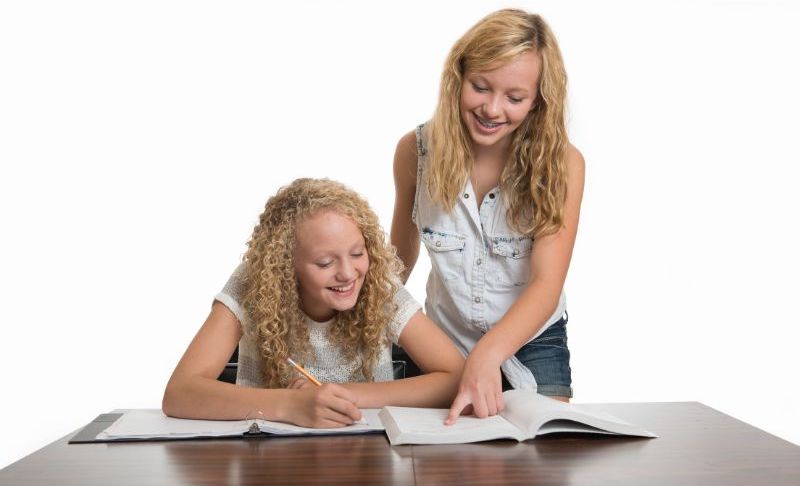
[{"x": 344, "y": 306}]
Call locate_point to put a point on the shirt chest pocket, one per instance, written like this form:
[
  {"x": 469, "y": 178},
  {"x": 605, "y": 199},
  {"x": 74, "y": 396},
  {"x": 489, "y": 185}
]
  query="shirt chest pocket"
[
  {"x": 511, "y": 258},
  {"x": 446, "y": 251}
]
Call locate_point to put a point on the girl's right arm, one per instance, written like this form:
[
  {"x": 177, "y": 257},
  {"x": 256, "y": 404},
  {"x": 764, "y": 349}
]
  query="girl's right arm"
[
  {"x": 404, "y": 234},
  {"x": 193, "y": 391}
]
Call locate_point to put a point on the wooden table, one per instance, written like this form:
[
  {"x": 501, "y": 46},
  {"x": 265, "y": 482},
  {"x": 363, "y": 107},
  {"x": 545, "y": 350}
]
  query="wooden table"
[{"x": 698, "y": 445}]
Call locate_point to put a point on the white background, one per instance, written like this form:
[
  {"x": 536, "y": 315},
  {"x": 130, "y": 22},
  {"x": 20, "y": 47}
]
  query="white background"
[{"x": 140, "y": 140}]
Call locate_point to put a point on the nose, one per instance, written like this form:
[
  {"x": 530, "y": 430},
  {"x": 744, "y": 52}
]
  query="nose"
[
  {"x": 491, "y": 108},
  {"x": 347, "y": 271}
]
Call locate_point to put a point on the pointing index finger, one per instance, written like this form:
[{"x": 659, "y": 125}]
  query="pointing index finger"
[{"x": 459, "y": 404}]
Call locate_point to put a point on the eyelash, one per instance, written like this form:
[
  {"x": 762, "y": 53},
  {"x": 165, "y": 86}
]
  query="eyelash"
[
  {"x": 481, "y": 89},
  {"x": 328, "y": 264}
]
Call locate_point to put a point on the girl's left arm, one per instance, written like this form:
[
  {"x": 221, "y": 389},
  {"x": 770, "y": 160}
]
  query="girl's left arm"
[
  {"x": 481, "y": 383},
  {"x": 436, "y": 356}
]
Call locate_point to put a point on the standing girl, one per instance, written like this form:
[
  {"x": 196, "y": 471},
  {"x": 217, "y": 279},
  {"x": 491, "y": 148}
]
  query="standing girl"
[
  {"x": 319, "y": 284},
  {"x": 493, "y": 188}
]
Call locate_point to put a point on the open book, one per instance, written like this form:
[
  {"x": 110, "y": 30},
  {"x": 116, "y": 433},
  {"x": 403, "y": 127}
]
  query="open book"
[
  {"x": 526, "y": 415},
  {"x": 152, "y": 424}
]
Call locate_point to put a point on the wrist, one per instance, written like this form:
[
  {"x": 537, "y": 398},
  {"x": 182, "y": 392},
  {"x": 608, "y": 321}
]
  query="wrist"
[
  {"x": 280, "y": 404},
  {"x": 485, "y": 351}
]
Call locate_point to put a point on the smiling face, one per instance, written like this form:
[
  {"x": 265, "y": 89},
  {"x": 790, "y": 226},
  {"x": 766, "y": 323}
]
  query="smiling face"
[
  {"x": 330, "y": 262},
  {"x": 495, "y": 102}
]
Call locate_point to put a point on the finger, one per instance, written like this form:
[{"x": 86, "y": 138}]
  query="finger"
[
  {"x": 345, "y": 408},
  {"x": 328, "y": 419},
  {"x": 333, "y": 411},
  {"x": 491, "y": 404},
  {"x": 461, "y": 401},
  {"x": 297, "y": 383},
  {"x": 331, "y": 418},
  {"x": 501, "y": 404},
  {"x": 480, "y": 407},
  {"x": 341, "y": 392}
]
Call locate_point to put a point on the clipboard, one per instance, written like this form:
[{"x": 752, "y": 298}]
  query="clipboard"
[{"x": 88, "y": 434}]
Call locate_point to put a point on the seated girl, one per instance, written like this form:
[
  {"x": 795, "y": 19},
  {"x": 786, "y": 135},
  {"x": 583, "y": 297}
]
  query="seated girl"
[{"x": 319, "y": 284}]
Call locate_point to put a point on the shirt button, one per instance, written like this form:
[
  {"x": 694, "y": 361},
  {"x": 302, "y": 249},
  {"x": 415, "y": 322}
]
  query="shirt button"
[
  {"x": 466, "y": 196},
  {"x": 478, "y": 261},
  {"x": 438, "y": 243},
  {"x": 515, "y": 253},
  {"x": 477, "y": 300},
  {"x": 491, "y": 195}
]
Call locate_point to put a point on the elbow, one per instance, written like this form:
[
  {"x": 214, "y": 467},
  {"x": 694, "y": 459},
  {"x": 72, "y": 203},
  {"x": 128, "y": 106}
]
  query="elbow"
[
  {"x": 453, "y": 371},
  {"x": 170, "y": 403},
  {"x": 453, "y": 380},
  {"x": 547, "y": 294}
]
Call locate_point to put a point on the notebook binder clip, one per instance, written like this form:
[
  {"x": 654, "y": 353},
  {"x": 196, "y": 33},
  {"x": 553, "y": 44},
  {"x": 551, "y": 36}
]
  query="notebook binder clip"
[{"x": 254, "y": 429}]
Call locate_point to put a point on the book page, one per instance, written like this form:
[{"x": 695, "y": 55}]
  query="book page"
[
  {"x": 536, "y": 414},
  {"x": 523, "y": 408},
  {"x": 152, "y": 423},
  {"x": 369, "y": 423},
  {"x": 406, "y": 425}
]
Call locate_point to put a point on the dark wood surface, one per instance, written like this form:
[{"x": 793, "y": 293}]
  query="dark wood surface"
[{"x": 698, "y": 445}]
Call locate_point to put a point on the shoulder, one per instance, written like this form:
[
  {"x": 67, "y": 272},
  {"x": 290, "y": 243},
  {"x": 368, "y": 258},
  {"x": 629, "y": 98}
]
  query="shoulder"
[
  {"x": 576, "y": 165},
  {"x": 574, "y": 158},
  {"x": 232, "y": 294},
  {"x": 407, "y": 306},
  {"x": 235, "y": 284},
  {"x": 405, "y": 160},
  {"x": 406, "y": 152}
]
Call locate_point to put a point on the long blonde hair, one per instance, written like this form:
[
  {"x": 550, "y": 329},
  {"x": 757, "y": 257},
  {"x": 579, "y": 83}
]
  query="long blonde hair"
[
  {"x": 270, "y": 295},
  {"x": 533, "y": 181}
]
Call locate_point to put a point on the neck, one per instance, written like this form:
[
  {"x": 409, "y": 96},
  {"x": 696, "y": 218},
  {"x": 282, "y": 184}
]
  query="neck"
[
  {"x": 318, "y": 315},
  {"x": 497, "y": 152}
]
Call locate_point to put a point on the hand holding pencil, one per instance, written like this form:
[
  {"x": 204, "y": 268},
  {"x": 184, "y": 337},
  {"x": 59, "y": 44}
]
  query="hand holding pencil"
[{"x": 328, "y": 405}]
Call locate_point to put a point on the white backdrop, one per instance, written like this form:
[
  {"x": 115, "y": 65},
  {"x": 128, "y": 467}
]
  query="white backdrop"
[{"x": 140, "y": 140}]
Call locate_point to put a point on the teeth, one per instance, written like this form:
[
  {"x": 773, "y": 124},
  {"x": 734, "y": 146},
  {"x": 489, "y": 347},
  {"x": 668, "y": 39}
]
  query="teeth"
[
  {"x": 487, "y": 124},
  {"x": 344, "y": 288}
]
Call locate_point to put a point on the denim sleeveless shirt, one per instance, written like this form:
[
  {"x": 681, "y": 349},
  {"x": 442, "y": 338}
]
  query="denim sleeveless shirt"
[{"x": 479, "y": 265}]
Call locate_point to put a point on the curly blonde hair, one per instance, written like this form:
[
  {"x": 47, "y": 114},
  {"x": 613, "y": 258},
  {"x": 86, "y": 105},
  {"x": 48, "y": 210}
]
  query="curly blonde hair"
[
  {"x": 533, "y": 181},
  {"x": 270, "y": 289}
]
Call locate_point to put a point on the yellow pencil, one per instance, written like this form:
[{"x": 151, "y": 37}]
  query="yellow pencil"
[{"x": 304, "y": 372}]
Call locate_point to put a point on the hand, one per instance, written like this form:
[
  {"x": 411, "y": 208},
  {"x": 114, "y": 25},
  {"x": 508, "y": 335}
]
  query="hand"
[
  {"x": 480, "y": 389},
  {"x": 326, "y": 406},
  {"x": 300, "y": 383}
]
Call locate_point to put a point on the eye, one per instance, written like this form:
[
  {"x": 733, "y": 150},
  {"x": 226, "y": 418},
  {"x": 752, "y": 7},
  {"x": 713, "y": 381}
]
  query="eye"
[
  {"x": 479, "y": 88},
  {"x": 325, "y": 264},
  {"x": 515, "y": 100},
  {"x": 357, "y": 254}
]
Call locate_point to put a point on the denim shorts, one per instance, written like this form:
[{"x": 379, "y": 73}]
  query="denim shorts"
[{"x": 547, "y": 357}]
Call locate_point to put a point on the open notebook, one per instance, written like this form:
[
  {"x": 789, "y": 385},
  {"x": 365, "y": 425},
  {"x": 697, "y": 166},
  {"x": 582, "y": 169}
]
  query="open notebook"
[
  {"x": 153, "y": 424},
  {"x": 526, "y": 415}
]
